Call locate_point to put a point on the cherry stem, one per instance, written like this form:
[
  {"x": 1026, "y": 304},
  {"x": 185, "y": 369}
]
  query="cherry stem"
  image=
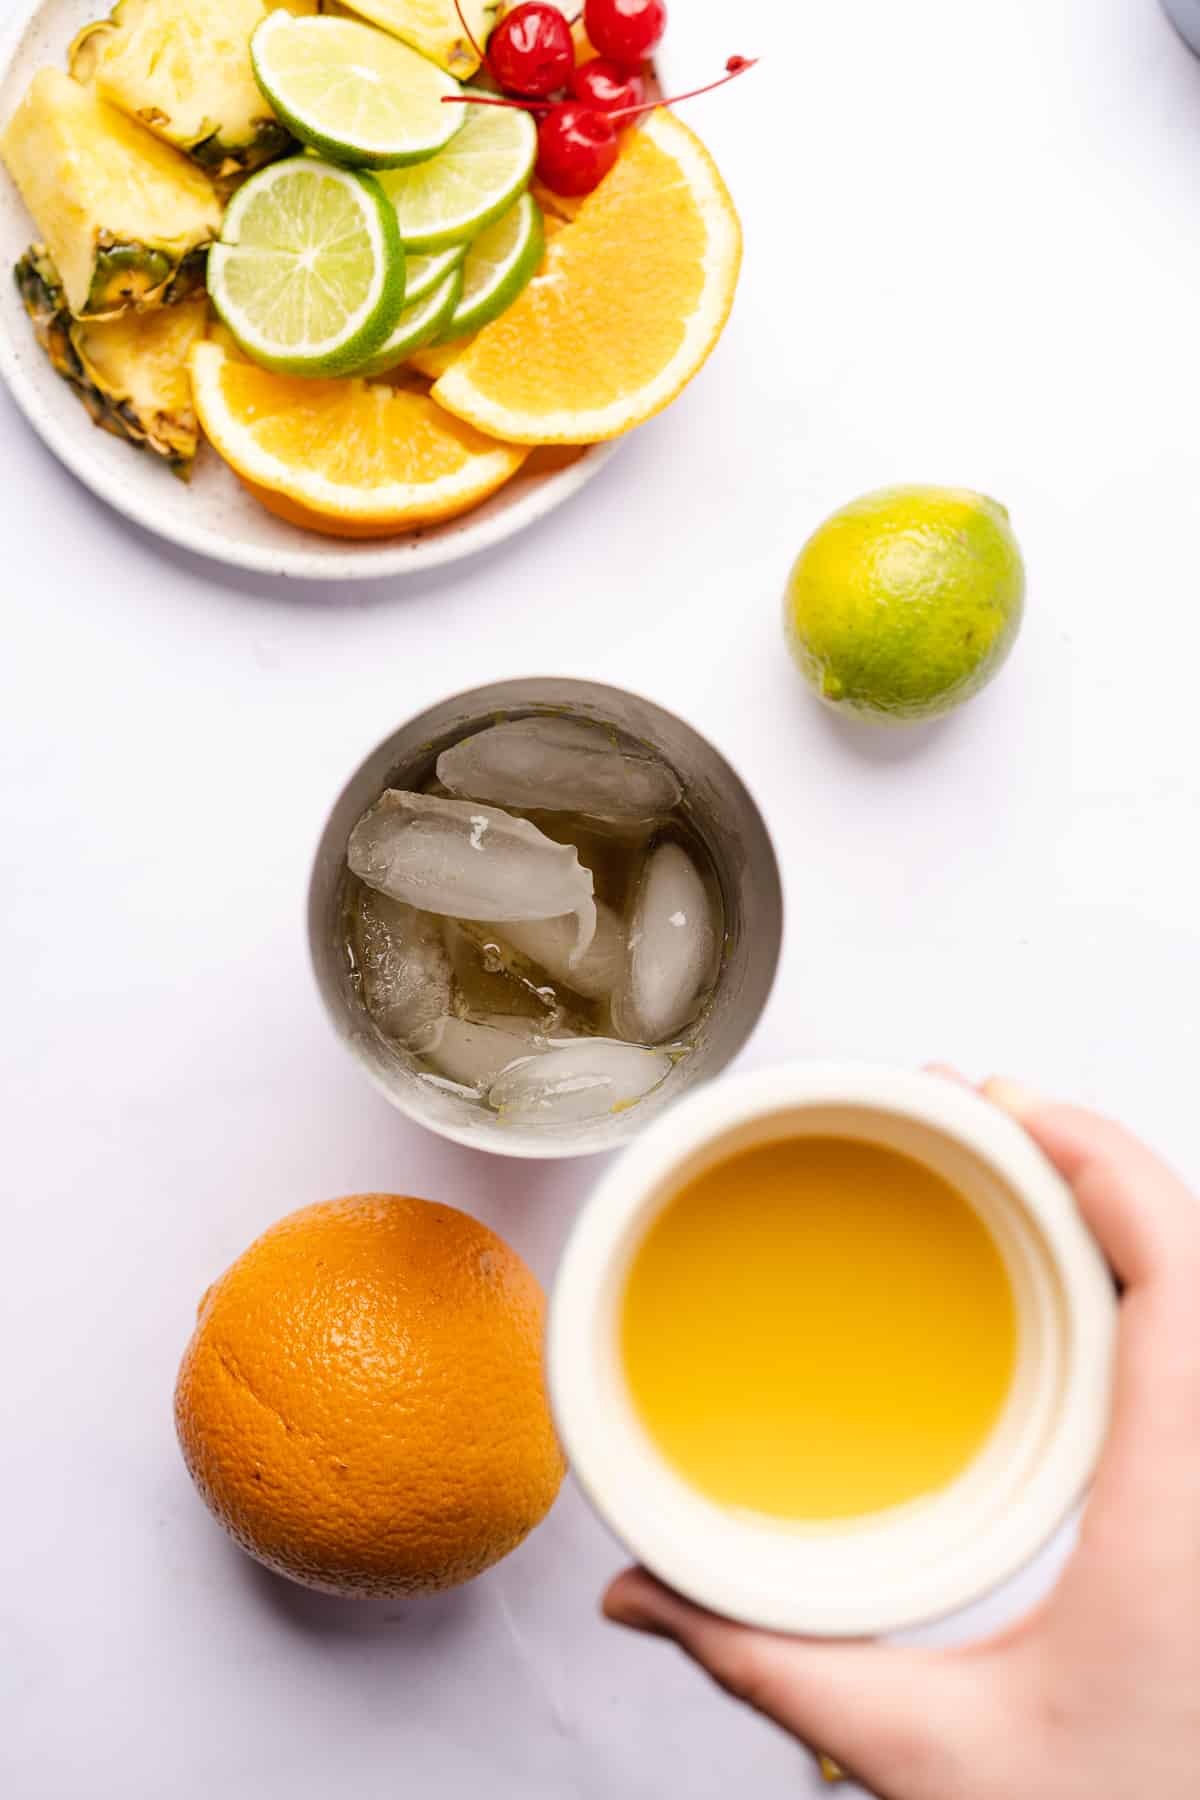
[
  {"x": 471, "y": 39},
  {"x": 737, "y": 65},
  {"x": 496, "y": 100}
]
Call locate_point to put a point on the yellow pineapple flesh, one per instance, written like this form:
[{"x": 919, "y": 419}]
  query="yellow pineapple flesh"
[
  {"x": 434, "y": 28},
  {"x": 131, "y": 373},
  {"x": 182, "y": 68},
  {"x": 127, "y": 220}
]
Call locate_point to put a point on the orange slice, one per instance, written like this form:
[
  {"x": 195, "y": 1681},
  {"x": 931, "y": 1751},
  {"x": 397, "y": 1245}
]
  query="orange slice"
[
  {"x": 629, "y": 304},
  {"x": 435, "y": 359},
  {"x": 562, "y": 208},
  {"x": 347, "y": 458}
]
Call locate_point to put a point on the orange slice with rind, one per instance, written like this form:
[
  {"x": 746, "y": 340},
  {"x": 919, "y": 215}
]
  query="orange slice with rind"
[
  {"x": 630, "y": 302},
  {"x": 432, "y": 360},
  {"x": 347, "y": 458}
]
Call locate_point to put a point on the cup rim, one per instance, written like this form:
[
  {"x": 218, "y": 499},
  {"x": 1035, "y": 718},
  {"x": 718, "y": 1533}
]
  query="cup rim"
[
  {"x": 553, "y": 688},
  {"x": 690, "y": 1542}
]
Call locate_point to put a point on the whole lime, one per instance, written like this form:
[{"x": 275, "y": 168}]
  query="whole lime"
[{"x": 906, "y": 602}]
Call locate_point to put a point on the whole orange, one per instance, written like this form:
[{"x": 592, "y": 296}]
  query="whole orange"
[{"x": 363, "y": 1405}]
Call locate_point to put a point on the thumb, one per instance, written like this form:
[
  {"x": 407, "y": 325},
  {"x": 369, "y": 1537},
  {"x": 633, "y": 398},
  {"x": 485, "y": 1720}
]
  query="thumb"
[{"x": 898, "y": 1720}]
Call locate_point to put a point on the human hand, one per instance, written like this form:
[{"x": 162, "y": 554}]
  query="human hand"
[{"x": 1096, "y": 1694}]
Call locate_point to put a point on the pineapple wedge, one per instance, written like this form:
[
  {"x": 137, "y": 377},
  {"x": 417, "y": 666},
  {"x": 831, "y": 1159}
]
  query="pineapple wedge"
[
  {"x": 127, "y": 221},
  {"x": 131, "y": 373},
  {"x": 433, "y": 27},
  {"x": 182, "y": 68}
]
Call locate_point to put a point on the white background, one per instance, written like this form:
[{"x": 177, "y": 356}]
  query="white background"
[{"x": 973, "y": 257}]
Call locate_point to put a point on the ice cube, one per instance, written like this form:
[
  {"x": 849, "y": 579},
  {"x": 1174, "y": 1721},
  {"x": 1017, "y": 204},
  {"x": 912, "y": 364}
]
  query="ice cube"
[
  {"x": 673, "y": 936},
  {"x": 469, "y": 861},
  {"x": 474, "y": 1054},
  {"x": 561, "y": 765},
  {"x": 484, "y": 981},
  {"x": 549, "y": 943},
  {"x": 575, "y": 1079},
  {"x": 403, "y": 965}
]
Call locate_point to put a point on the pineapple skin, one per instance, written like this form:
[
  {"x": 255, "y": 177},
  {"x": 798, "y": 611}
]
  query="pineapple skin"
[
  {"x": 182, "y": 69},
  {"x": 130, "y": 373},
  {"x": 126, "y": 220},
  {"x": 430, "y": 26}
]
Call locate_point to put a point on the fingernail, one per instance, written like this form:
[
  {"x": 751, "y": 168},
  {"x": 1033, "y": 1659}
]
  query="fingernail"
[{"x": 1012, "y": 1096}]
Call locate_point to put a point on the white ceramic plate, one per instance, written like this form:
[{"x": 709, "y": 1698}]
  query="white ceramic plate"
[{"x": 215, "y": 516}]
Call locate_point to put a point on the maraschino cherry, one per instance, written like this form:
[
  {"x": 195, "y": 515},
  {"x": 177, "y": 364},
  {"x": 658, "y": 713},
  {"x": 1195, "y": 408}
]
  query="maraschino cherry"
[
  {"x": 531, "y": 52},
  {"x": 578, "y": 144},
  {"x": 607, "y": 86},
  {"x": 626, "y": 30},
  {"x": 532, "y": 55}
]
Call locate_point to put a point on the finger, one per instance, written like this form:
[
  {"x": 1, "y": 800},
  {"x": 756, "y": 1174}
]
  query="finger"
[
  {"x": 1148, "y": 1225},
  {"x": 1144, "y": 1218},
  {"x": 897, "y": 1719},
  {"x": 1013, "y": 1096},
  {"x": 948, "y": 1072}
]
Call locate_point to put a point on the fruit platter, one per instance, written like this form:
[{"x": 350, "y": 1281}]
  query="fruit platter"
[{"x": 349, "y": 292}]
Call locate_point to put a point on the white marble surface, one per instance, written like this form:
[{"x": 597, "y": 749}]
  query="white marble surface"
[{"x": 973, "y": 257}]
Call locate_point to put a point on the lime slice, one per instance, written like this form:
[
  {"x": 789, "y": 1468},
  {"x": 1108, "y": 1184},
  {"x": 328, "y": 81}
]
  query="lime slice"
[
  {"x": 424, "y": 273},
  {"x": 309, "y": 272},
  {"x": 474, "y": 180},
  {"x": 419, "y": 325},
  {"x": 502, "y": 260},
  {"x": 352, "y": 92}
]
